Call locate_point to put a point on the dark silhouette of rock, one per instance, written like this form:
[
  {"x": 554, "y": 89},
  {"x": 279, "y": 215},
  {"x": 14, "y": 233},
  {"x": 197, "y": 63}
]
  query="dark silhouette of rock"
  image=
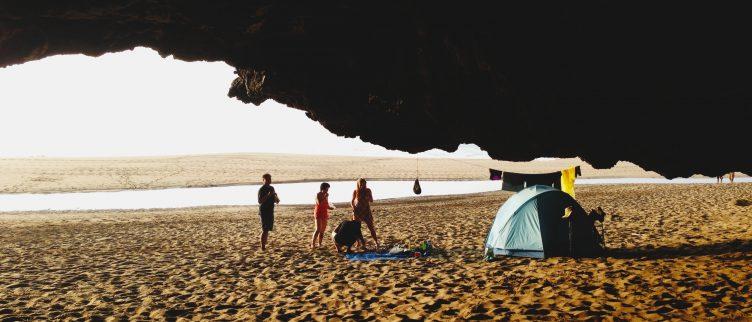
[{"x": 667, "y": 86}]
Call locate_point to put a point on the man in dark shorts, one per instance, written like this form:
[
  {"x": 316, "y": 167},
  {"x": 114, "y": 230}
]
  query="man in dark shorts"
[
  {"x": 346, "y": 234},
  {"x": 267, "y": 197}
]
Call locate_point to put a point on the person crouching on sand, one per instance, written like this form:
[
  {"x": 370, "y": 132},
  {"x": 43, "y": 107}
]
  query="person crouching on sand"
[
  {"x": 267, "y": 197},
  {"x": 346, "y": 234},
  {"x": 361, "y": 204},
  {"x": 321, "y": 214}
]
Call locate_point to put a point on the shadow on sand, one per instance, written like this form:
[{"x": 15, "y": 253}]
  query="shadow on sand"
[{"x": 720, "y": 248}]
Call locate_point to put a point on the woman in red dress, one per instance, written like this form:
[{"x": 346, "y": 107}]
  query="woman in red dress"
[{"x": 321, "y": 214}]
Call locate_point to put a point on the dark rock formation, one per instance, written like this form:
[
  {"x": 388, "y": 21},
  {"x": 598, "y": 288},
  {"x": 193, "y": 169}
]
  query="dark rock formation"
[{"x": 667, "y": 86}]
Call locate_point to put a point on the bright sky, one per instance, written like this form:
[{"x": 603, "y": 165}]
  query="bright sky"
[{"x": 136, "y": 103}]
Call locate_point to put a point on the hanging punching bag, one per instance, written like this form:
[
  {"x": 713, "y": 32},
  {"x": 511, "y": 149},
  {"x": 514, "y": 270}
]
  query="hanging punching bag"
[{"x": 416, "y": 186}]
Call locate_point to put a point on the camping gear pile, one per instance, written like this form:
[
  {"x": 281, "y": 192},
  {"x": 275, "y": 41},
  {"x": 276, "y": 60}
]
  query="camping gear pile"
[
  {"x": 542, "y": 221},
  {"x": 398, "y": 251}
]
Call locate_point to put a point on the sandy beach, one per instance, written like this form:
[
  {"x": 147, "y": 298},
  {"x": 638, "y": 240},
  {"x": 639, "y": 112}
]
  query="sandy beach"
[
  {"x": 677, "y": 252},
  {"x": 96, "y": 174}
]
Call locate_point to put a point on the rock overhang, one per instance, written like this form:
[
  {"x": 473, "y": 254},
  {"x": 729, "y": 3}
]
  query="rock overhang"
[{"x": 664, "y": 86}]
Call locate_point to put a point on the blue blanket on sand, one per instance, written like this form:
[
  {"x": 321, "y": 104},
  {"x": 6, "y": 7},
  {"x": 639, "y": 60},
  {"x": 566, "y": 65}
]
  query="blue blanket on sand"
[
  {"x": 396, "y": 252},
  {"x": 371, "y": 256}
]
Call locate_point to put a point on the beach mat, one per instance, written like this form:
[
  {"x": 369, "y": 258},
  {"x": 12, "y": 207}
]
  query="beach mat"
[
  {"x": 397, "y": 252},
  {"x": 370, "y": 256}
]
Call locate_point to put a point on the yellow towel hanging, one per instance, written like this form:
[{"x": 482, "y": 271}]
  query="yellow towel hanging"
[{"x": 567, "y": 180}]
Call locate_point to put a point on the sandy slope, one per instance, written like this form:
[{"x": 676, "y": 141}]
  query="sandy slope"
[
  {"x": 680, "y": 252},
  {"x": 49, "y": 175}
]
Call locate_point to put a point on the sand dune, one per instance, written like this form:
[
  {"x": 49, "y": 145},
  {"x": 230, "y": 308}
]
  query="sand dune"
[
  {"x": 54, "y": 175},
  {"x": 679, "y": 252}
]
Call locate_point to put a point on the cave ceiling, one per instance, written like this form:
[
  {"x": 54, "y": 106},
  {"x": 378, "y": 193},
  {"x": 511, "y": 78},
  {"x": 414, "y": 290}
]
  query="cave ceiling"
[{"x": 666, "y": 86}]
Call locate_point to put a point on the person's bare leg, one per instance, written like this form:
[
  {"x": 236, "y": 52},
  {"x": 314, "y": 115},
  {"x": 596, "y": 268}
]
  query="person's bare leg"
[
  {"x": 313, "y": 239},
  {"x": 372, "y": 229},
  {"x": 264, "y": 239},
  {"x": 322, "y": 231},
  {"x": 316, "y": 233}
]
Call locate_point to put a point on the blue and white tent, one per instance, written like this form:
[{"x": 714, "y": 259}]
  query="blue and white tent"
[{"x": 531, "y": 224}]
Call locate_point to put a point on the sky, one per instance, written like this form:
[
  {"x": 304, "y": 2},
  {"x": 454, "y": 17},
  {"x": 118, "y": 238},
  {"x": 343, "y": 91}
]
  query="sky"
[{"x": 136, "y": 103}]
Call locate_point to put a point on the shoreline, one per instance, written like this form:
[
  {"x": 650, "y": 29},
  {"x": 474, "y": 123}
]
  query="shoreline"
[
  {"x": 73, "y": 190},
  {"x": 344, "y": 205},
  {"x": 339, "y": 205}
]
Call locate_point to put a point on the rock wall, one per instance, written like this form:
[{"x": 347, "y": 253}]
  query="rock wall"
[{"x": 666, "y": 86}]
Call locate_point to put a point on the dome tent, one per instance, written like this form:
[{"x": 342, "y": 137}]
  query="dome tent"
[{"x": 531, "y": 224}]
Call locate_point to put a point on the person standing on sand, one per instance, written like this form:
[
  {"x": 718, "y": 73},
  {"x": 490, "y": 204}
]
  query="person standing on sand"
[
  {"x": 361, "y": 204},
  {"x": 267, "y": 197},
  {"x": 321, "y": 214}
]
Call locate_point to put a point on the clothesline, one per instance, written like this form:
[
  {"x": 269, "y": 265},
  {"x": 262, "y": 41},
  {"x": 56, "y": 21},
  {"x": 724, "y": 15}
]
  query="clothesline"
[{"x": 562, "y": 180}]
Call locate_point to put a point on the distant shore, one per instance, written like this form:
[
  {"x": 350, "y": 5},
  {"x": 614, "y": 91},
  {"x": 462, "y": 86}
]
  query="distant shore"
[{"x": 48, "y": 175}]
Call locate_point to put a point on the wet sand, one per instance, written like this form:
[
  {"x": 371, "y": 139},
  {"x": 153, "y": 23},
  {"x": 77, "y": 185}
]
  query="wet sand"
[
  {"x": 679, "y": 252},
  {"x": 96, "y": 174}
]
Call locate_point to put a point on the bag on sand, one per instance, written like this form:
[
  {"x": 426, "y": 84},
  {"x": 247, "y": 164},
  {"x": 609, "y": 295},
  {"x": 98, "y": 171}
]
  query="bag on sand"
[{"x": 416, "y": 187}]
